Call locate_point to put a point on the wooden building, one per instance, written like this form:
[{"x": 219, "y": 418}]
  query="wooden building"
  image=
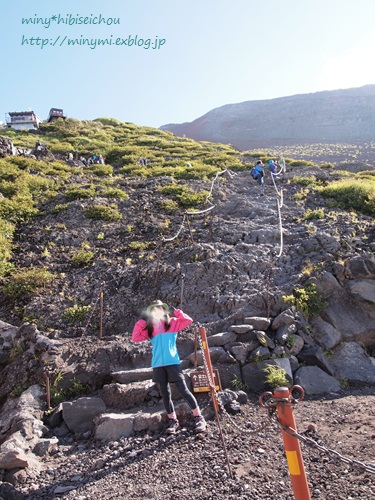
[{"x": 55, "y": 114}]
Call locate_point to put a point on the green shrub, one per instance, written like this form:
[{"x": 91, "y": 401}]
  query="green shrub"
[
  {"x": 186, "y": 196},
  {"x": 59, "y": 394},
  {"x": 308, "y": 300},
  {"x": 82, "y": 257},
  {"x": 314, "y": 214},
  {"x": 6, "y": 239},
  {"x": 109, "y": 121},
  {"x": 100, "y": 170},
  {"x": 19, "y": 209},
  {"x": 190, "y": 198},
  {"x": 103, "y": 212},
  {"x": 9, "y": 188},
  {"x": 138, "y": 245},
  {"x": 275, "y": 377},
  {"x": 304, "y": 181},
  {"x": 76, "y": 313},
  {"x": 169, "y": 205},
  {"x": 59, "y": 208},
  {"x": 115, "y": 193},
  {"x": 79, "y": 193},
  {"x": 352, "y": 194},
  {"x": 24, "y": 282},
  {"x": 239, "y": 384},
  {"x": 301, "y": 163},
  {"x": 174, "y": 189}
]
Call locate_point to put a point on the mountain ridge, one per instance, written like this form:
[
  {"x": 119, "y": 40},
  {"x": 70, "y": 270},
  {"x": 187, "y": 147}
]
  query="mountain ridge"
[{"x": 328, "y": 116}]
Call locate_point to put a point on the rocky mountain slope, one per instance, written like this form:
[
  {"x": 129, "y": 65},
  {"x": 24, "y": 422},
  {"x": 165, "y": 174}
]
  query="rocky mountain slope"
[
  {"x": 231, "y": 268},
  {"x": 337, "y": 116}
]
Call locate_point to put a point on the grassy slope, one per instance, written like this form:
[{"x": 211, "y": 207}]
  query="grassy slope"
[{"x": 37, "y": 194}]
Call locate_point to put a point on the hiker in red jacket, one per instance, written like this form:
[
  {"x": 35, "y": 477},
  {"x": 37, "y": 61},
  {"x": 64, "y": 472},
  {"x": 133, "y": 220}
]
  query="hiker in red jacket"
[{"x": 161, "y": 330}]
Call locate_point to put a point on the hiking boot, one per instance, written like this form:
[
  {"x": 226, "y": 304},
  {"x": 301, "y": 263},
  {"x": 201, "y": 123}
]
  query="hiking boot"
[
  {"x": 173, "y": 426},
  {"x": 200, "y": 424}
]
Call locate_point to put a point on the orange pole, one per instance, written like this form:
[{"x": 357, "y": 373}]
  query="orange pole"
[
  {"x": 292, "y": 446},
  {"x": 210, "y": 375}
]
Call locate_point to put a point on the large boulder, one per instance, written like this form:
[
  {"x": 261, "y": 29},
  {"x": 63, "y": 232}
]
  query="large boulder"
[
  {"x": 352, "y": 318},
  {"x": 315, "y": 356},
  {"x": 258, "y": 323},
  {"x": 326, "y": 335},
  {"x": 220, "y": 339},
  {"x": 113, "y": 426},
  {"x": 351, "y": 362},
  {"x": 361, "y": 266},
  {"x": 313, "y": 380},
  {"x": 254, "y": 376},
  {"x": 79, "y": 414},
  {"x": 24, "y": 414},
  {"x": 6, "y": 147}
]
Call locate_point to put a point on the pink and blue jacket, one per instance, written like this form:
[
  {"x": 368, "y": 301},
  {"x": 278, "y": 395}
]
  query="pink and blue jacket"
[{"x": 164, "y": 348}]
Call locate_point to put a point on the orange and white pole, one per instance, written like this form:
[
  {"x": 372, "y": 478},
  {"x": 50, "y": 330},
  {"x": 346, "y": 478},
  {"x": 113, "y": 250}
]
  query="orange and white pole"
[{"x": 291, "y": 445}]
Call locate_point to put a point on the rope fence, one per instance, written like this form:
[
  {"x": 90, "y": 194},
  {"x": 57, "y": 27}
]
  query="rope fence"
[{"x": 98, "y": 299}]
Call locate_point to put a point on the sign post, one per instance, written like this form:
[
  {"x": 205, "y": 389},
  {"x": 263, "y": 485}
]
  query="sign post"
[{"x": 208, "y": 367}]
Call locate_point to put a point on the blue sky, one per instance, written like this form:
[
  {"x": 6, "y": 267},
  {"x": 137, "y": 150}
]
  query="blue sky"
[{"x": 215, "y": 52}]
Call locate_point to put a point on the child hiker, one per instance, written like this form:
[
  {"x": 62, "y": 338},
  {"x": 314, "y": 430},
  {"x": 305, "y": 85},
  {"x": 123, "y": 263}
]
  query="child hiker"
[{"x": 161, "y": 330}]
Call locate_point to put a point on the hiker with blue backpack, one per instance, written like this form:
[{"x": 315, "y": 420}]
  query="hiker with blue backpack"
[
  {"x": 272, "y": 168},
  {"x": 257, "y": 173}
]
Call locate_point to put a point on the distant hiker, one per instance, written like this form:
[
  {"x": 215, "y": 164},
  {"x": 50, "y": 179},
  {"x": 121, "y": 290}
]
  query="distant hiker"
[
  {"x": 259, "y": 176},
  {"x": 100, "y": 160},
  {"x": 38, "y": 144},
  {"x": 161, "y": 330},
  {"x": 83, "y": 160},
  {"x": 272, "y": 168},
  {"x": 70, "y": 156}
]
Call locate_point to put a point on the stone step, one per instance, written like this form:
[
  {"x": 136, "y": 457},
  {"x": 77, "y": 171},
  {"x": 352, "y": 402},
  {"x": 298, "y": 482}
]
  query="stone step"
[
  {"x": 129, "y": 376},
  {"x": 127, "y": 393},
  {"x": 112, "y": 426},
  {"x": 91, "y": 416}
]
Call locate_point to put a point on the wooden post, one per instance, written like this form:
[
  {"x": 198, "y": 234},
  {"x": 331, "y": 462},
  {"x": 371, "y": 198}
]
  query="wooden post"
[
  {"x": 48, "y": 391},
  {"x": 188, "y": 224},
  {"x": 101, "y": 315},
  {"x": 157, "y": 265},
  {"x": 211, "y": 222}
]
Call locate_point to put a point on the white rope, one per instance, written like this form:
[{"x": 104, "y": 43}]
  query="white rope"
[
  {"x": 201, "y": 211},
  {"x": 178, "y": 232},
  {"x": 280, "y": 202},
  {"x": 281, "y": 229},
  {"x": 215, "y": 179}
]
